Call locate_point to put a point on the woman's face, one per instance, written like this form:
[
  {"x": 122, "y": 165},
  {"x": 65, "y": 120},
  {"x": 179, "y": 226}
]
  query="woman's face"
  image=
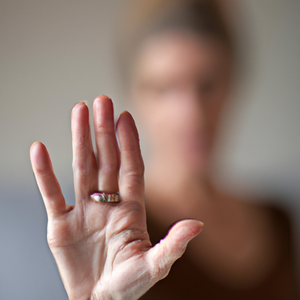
[{"x": 179, "y": 86}]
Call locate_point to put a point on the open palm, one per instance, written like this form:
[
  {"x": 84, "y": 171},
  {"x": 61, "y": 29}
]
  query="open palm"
[{"x": 103, "y": 249}]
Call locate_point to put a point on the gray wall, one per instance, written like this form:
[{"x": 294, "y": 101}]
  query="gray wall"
[{"x": 54, "y": 54}]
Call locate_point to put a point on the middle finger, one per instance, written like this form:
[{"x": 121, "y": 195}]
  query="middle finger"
[{"x": 106, "y": 143}]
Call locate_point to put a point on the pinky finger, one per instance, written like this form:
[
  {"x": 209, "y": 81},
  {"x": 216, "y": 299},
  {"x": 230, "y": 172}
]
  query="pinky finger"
[{"x": 46, "y": 180}]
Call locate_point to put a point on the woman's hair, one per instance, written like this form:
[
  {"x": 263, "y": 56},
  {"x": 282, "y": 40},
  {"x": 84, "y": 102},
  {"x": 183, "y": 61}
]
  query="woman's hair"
[
  {"x": 200, "y": 17},
  {"x": 146, "y": 18}
]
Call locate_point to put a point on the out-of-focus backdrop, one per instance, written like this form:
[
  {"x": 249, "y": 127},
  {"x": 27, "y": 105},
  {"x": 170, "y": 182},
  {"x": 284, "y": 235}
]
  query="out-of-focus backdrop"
[{"x": 54, "y": 54}]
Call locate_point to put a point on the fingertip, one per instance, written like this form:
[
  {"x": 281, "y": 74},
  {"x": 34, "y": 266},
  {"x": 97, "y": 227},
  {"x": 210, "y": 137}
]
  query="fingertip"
[
  {"x": 39, "y": 157},
  {"x": 102, "y": 99},
  {"x": 184, "y": 231},
  {"x": 196, "y": 227},
  {"x": 35, "y": 148},
  {"x": 79, "y": 104},
  {"x": 127, "y": 124},
  {"x": 80, "y": 113},
  {"x": 102, "y": 106},
  {"x": 124, "y": 114},
  {"x": 77, "y": 107},
  {"x": 127, "y": 117}
]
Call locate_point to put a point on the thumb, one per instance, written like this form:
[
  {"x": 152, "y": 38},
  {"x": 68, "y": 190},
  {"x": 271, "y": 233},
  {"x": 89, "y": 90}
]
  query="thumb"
[{"x": 162, "y": 256}]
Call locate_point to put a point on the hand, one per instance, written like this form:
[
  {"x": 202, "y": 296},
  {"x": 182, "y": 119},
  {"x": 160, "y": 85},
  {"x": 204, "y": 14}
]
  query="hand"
[{"x": 103, "y": 249}]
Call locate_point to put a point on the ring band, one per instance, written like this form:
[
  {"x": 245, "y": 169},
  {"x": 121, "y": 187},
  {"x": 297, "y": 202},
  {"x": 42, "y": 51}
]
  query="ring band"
[{"x": 106, "y": 197}]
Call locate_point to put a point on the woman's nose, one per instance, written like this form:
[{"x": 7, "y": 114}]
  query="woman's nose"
[{"x": 192, "y": 107}]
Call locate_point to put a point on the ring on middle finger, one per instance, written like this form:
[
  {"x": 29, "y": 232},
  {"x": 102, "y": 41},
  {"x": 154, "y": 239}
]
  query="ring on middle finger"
[{"x": 106, "y": 197}]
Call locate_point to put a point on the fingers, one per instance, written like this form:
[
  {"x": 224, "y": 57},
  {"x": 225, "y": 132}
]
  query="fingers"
[
  {"x": 106, "y": 143},
  {"x": 132, "y": 166},
  {"x": 84, "y": 161},
  {"x": 46, "y": 180},
  {"x": 163, "y": 255}
]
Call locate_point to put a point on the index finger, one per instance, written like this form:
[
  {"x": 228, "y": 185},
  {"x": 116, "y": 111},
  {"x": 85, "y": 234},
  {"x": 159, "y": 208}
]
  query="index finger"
[{"x": 132, "y": 165}]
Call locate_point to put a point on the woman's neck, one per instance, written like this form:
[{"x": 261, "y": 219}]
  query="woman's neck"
[{"x": 165, "y": 180}]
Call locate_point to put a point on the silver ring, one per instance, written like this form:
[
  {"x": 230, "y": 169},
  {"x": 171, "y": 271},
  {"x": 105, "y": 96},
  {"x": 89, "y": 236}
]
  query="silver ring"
[{"x": 106, "y": 197}]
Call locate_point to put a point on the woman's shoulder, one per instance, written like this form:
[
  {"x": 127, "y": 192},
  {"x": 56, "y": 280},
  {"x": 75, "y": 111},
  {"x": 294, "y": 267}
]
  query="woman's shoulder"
[
  {"x": 277, "y": 214},
  {"x": 186, "y": 278}
]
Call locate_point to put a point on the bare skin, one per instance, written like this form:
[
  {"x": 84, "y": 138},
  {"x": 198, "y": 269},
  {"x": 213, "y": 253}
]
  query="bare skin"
[{"x": 102, "y": 249}]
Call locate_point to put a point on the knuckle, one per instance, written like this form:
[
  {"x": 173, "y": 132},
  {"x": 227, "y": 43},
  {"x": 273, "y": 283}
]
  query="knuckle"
[
  {"x": 135, "y": 174},
  {"x": 81, "y": 170},
  {"x": 160, "y": 269},
  {"x": 134, "y": 184},
  {"x": 103, "y": 128},
  {"x": 109, "y": 167},
  {"x": 135, "y": 164},
  {"x": 80, "y": 141}
]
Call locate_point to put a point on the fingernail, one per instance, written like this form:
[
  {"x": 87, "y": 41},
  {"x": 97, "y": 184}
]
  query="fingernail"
[{"x": 201, "y": 224}]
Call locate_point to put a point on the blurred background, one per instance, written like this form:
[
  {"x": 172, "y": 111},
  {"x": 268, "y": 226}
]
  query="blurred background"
[{"x": 54, "y": 54}]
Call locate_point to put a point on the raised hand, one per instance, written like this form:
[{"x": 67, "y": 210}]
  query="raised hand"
[{"x": 103, "y": 249}]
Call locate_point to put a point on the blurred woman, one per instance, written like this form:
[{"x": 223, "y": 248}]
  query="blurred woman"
[{"x": 181, "y": 75}]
